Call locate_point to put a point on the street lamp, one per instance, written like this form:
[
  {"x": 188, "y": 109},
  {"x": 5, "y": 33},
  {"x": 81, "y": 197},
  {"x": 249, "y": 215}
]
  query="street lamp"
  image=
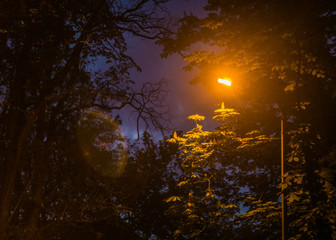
[{"x": 227, "y": 82}]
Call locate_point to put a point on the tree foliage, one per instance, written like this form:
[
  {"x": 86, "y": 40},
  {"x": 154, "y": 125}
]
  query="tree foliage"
[
  {"x": 212, "y": 185},
  {"x": 151, "y": 177},
  {"x": 200, "y": 207}
]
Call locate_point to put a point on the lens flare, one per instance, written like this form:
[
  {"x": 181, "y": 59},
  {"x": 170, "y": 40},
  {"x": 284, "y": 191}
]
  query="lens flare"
[{"x": 102, "y": 143}]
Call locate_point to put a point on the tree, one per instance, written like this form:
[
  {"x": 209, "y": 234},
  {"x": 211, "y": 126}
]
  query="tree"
[
  {"x": 150, "y": 178},
  {"x": 281, "y": 54},
  {"x": 199, "y": 208},
  {"x": 48, "y": 80},
  {"x": 208, "y": 205}
]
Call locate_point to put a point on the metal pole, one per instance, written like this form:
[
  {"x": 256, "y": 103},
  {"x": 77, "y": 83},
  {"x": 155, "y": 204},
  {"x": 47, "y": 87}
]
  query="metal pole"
[{"x": 282, "y": 181}]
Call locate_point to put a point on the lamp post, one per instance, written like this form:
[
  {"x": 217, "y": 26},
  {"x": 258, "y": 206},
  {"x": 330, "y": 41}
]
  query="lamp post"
[
  {"x": 227, "y": 82},
  {"x": 283, "y": 207}
]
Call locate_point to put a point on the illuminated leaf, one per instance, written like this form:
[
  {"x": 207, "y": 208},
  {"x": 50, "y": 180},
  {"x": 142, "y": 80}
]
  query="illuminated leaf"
[
  {"x": 182, "y": 183},
  {"x": 196, "y": 117},
  {"x": 173, "y": 199},
  {"x": 293, "y": 197},
  {"x": 290, "y": 87}
]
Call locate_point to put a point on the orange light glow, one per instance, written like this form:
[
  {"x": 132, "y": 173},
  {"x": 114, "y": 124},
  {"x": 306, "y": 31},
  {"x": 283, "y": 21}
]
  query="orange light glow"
[{"x": 225, "y": 81}]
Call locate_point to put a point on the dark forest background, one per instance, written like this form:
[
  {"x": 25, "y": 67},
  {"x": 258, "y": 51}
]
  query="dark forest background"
[{"x": 68, "y": 172}]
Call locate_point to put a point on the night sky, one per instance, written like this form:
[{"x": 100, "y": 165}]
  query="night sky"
[{"x": 184, "y": 99}]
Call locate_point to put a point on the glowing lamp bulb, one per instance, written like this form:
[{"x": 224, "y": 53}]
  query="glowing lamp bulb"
[{"x": 225, "y": 81}]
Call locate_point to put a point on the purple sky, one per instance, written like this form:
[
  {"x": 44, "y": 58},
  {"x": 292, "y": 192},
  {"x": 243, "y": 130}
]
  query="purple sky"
[{"x": 185, "y": 99}]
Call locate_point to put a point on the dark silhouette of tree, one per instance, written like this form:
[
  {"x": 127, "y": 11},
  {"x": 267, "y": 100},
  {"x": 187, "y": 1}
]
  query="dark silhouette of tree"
[
  {"x": 151, "y": 177},
  {"x": 49, "y": 78}
]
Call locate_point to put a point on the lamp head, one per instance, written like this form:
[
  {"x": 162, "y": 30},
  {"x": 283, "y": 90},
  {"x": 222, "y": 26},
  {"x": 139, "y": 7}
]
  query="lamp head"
[{"x": 225, "y": 81}]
